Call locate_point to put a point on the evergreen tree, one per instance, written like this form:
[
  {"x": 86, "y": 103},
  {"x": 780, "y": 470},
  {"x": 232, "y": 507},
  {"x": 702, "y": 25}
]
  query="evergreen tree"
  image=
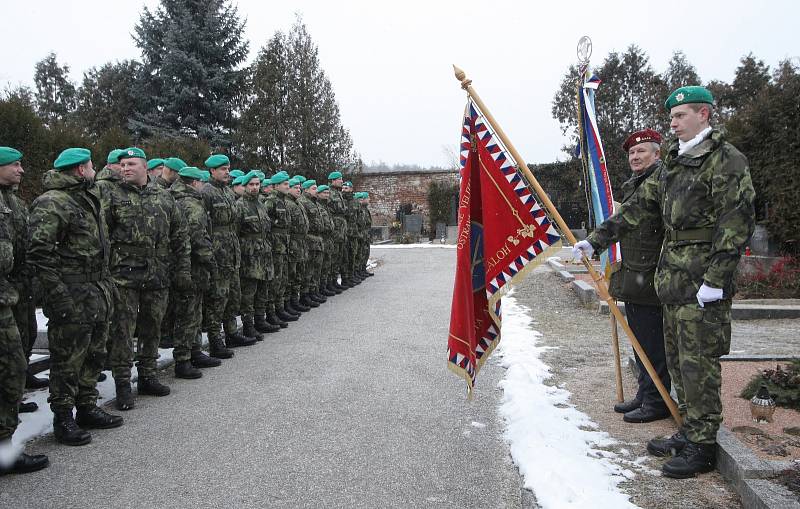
[
  {"x": 55, "y": 94},
  {"x": 106, "y": 99},
  {"x": 679, "y": 73},
  {"x": 190, "y": 79}
]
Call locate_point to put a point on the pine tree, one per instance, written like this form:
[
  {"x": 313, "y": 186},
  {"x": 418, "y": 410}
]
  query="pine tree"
[
  {"x": 679, "y": 73},
  {"x": 55, "y": 93},
  {"x": 106, "y": 99},
  {"x": 191, "y": 79}
]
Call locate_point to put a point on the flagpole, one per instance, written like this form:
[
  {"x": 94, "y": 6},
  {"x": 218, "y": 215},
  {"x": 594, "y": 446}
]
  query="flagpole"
[
  {"x": 466, "y": 84},
  {"x": 617, "y": 363}
]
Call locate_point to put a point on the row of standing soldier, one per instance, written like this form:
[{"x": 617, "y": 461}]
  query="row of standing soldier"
[{"x": 156, "y": 251}]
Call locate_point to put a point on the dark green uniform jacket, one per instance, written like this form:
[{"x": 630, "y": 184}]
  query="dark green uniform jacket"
[
  {"x": 281, "y": 222},
  {"x": 220, "y": 201},
  {"x": 190, "y": 203},
  {"x": 254, "y": 238}
]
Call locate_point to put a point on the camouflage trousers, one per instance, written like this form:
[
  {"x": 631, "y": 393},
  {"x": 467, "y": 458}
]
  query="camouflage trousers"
[
  {"x": 339, "y": 258},
  {"x": 186, "y": 323},
  {"x": 12, "y": 372},
  {"x": 261, "y": 302},
  {"x": 146, "y": 307},
  {"x": 168, "y": 322},
  {"x": 277, "y": 288},
  {"x": 77, "y": 354},
  {"x": 218, "y": 311},
  {"x": 313, "y": 271},
  {"x": 694, "y": 340},
  {"x": 363, "y": 255},
  {"x": 251, "y": 288},
  {"x": 25, "y": 316},
  {"x": 326, "y": 272}
]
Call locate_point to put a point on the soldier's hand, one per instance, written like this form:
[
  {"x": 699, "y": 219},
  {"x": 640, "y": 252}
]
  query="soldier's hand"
[
  {"x": 582, "y": 248},
  {"x": 708, "y": 294}
]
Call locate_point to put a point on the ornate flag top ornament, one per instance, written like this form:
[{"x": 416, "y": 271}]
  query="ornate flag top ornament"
[{"x": 584, "y": 51}]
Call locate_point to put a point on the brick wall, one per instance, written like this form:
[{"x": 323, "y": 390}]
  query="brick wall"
[{"x": 389, "y": 190}]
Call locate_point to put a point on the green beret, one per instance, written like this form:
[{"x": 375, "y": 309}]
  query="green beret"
[
  {"x": 236, "y": 173},
  {"x": 132, "y": 152},
  {"x": 364, "y": 194},
  {"x": 266, "y": 181},
  {"x": 308, "y": 183},
  {"x": 217, "y": 160},
  {"x": 9, "y": 155},
  {"x": 294, "y": 181},
  {"x": 334, "y": 175},
  {"x": 192, "y": 172},
  {"x": 173, "y": 163},
  {"x": 300, "y": 178},
  {"x": 322, "y": 188},
  {"x": 358, "y": 195},
  {"x": 206, "y": 176},
  {"x": 689, "y": 95},
  {"x": 237, "y": 181},
  {"x": 347, "y": 184},
  {"x": 155, "y": 163},
  {"x": 252, "y": 174},
  {"x": 259, "y": 173},
  {"x": 71, "y": 157},
  {"x": 280, "y": 177},
  {"x": 113, "y": 156}
]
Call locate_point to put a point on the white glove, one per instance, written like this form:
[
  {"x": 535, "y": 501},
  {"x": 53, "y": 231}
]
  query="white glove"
[
  {"x": 707, "y": 294},
  {"x": 582, "y": 248}
]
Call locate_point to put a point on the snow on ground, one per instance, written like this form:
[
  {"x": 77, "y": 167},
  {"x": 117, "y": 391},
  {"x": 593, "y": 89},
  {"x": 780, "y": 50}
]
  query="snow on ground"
[
  {"x": 413, "y": 246},
  {"x": 555, "y": 446},
  {"x": 40, "y": 422}
]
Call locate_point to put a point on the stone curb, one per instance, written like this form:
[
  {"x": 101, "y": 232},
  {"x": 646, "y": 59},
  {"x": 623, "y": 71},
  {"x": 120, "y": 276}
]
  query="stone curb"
[
  {"x": 585, "y": 292},
  {"x": 764, "y": 494}
]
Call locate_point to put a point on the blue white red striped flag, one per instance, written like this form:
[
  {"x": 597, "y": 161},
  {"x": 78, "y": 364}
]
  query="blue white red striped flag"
[{"x": 602, "y": 202}]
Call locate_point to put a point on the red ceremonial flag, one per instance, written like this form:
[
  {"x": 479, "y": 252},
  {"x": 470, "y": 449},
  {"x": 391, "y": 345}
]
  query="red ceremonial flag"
[{"x": 502, "y": 233}]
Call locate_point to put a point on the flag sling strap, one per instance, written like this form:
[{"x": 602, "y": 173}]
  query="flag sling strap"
[{"x": 466, "y": 84}]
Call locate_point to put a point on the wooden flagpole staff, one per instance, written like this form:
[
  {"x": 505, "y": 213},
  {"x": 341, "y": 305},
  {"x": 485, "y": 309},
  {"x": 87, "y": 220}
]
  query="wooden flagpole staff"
[{"x": 466, "y": 84}]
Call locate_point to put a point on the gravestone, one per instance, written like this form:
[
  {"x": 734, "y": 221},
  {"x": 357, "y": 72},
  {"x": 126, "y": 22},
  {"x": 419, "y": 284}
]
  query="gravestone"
[{"x": 412, "y": 223}]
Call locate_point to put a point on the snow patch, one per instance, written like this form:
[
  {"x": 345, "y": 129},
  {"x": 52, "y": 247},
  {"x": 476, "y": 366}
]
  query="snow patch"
[
  {"x": 550, "y": 440},
  {"x": 413, "y": 246}
]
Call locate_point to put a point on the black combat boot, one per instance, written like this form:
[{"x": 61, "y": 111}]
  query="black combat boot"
[
  {"x": 627, "y": 406},
  {"x": 235, "y": 340},
  {"x": 318, "y": 297},
  {"x": 201, "y": 360},
  {"x": 27, "y": 407},
  {"x": 273, "y": 319},
  {"x": 25, "y": 463},
  {"x": 693, "y": 459},
  {"x": 332, "y": 288},
  {"x": 307, "y": 301},
  {"x": 34, "y": 382},
  {"x": 289, "y": 308},
  {"x": 185, "y": 369},
  {"x": 249, "y": 328},
  {"x": 648, "y": 412},
  {"x": 124, "y": 400},
  {"x": 671, "y": 446},
  {"x": 94, "y": 417},
  {"x": 166, "y": 342},
  {"x": 66, "y": 430},
  {"x": 367, "y": 273},
  {"x": 265, "y": 327},
  {"x": 283, "y": 315},
  {"x": 151, "y": 386},
  {"x": 346, "y": 284},
  {"x": 101, "y": 377},
  {"x": 217, "y": 349}
]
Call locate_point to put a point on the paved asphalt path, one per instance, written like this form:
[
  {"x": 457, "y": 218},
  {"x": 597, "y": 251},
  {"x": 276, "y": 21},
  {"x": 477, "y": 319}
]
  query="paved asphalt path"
[{"x": 352, "y": 406}]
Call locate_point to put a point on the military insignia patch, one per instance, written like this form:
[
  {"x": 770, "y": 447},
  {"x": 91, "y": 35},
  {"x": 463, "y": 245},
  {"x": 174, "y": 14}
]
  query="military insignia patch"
[{"x": 679, "y": 97}]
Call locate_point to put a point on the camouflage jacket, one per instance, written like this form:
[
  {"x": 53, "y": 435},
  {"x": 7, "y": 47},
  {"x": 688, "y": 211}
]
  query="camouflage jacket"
[
  {"x": 8, "y": 294},
  {"x": 19, "y": 276},
  {"x": 69, "y": 249},
  {"x": 162, "y": 183},
  {"x": 279, "y": 215},
  {"x": 298, "y": 227},
  {"x": 316, "y": 226},
  {"x": 254, "y": 238},
  {"x": 198, "y": 224},
  {"x": 328, "y": 226},
  {"x": 220, "y": 202},
  {"x": 704, "y": 198},
  {"x": 105, "y": 174},
  {"x": 351, "y": 214},
  {"x": 632, "y": 279},
  {"x": 338, "y": 209},
  {"x": 149, "y": 241},
  {"x": 365, "y": 221}
]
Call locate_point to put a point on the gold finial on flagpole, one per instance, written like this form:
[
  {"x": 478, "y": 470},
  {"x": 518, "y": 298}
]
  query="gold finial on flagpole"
[{"x": 462, "y": 77}]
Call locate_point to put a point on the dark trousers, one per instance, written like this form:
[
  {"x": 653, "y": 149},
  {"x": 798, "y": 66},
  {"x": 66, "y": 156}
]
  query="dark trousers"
[{"x": 648, "y": 326}]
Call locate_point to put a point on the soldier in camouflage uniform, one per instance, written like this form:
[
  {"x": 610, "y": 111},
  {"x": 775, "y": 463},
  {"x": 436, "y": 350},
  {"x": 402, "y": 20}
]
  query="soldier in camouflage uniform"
[
  {"x": 338, "y": 209},
  {"x": 704, "y": 197},
  {"x": 323, "y": 196},
  {"x": 365, "y": 224},
  {"x": 112, "y": 167},
  {"x": 221, "y": 303},
  {"x": 314, "y": 244},
  {"x": 351, "y": 241},
  {"x": 69, "y": 252},
  {"x": 155, "y": 168},
  {"x": 256, "y": 270},
  {"x": 149, "y": 254},
  {"x": 12, "y": 358},
  {"x": 281, "y": 223},
  {"x": 187, "y": 320},
  {"x": 297, "y": 247}
]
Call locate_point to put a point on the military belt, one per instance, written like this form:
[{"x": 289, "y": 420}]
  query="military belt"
[
  {"x": 702, "y": 234},
  {"x": 89, "y": 277},
  {"x": 142, "y": 251}
]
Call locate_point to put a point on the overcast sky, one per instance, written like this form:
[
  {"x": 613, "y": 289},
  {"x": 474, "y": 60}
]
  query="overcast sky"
[{"x": 390, "y": 62}]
